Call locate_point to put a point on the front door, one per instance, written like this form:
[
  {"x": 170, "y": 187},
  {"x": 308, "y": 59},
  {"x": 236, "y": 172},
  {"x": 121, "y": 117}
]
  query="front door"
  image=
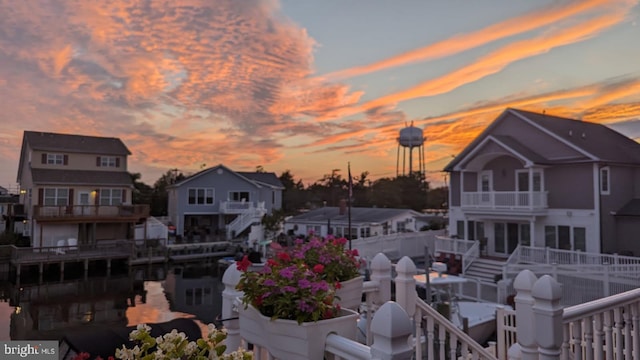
[{"x": 507, "y": 237}]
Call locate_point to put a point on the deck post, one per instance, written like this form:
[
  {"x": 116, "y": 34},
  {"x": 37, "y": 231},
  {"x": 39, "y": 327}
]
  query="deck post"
[
  {"x": 18, "y": 275},
  {"x": 40, "y": 272},
  {"x": 108, "y": 267},
  {"x": 61, "y": 271},
  {"x": 523, "y": 284},
  {"x": 231, "y": 323},
  {"x": 406, "y": 295},
  {"x": 86, "y": 269},
  {"x": 391, "y": 326},
  {"x": 547, "y": 312}
]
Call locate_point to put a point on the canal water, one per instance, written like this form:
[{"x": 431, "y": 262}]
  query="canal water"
[{"x": 47, "y": 310}]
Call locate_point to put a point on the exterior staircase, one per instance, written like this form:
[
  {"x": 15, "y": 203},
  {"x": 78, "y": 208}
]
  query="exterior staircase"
[
  {"x": 484, "y": 269},
  {"x": 244, "y": 221}
]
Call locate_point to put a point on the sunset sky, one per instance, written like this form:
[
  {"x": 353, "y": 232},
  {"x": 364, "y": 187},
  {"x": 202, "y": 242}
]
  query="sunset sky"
[{"x": 307, "y": 85}]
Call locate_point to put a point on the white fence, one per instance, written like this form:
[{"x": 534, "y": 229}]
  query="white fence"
[
  {"x": 396, "y": 246},
  {"x": 600, "y": 329}
]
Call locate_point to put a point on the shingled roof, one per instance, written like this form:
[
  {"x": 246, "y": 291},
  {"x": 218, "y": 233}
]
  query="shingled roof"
[
  {"x": 596, "y": 142},
  {"x": 81, "y": 177},
  {"x": 45, "y": 141}
]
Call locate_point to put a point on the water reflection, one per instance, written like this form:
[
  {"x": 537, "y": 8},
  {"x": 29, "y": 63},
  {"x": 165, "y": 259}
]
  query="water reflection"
[{"x": 149, "y": 295}]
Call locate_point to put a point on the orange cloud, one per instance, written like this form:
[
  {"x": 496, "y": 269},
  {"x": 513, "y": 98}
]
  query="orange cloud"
[{"x": 464, "y": 42}]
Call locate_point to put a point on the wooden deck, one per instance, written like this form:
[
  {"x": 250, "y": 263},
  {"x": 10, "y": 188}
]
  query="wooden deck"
[{"x": 63, "y": 254}]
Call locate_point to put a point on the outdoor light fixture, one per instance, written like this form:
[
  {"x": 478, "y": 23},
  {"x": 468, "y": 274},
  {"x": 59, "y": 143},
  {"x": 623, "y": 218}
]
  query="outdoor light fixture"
[{"x": 23, "y": 191}]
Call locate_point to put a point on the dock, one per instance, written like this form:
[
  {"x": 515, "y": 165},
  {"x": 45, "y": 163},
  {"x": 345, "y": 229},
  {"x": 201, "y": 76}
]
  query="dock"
[{"x": 105, "y": 254}]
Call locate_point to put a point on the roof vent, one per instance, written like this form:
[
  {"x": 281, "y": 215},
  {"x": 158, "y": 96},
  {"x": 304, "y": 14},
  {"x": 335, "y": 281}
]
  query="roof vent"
[
  {"x": 584, "y": 135},
  {"x": 570, "y": 132}
]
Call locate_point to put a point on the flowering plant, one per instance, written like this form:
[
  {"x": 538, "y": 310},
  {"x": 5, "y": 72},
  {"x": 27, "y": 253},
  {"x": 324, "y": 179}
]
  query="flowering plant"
[
  {"x": 175, "y": 345},
  {"x": 338, "y": 264},
  {"x": 288, "y": 289}
]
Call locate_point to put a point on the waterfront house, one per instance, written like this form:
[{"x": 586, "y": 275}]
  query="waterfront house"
[
  {"x": 76, "y": 190},
  {"x": 219, "y": 202},
  {"x": 365, "y": 222},
  {"x": 538, "y": 180},
  {"x": 7, "y": 208}
]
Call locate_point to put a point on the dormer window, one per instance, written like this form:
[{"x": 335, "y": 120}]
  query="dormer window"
[{"x": 108, "y": 161}]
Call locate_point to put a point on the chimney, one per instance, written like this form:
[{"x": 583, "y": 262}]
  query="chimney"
[{"x": 343, "y": 206}]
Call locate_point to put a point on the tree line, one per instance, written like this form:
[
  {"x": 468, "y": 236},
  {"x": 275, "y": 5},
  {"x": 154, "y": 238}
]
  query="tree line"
[{"x": 406, "y": 192}]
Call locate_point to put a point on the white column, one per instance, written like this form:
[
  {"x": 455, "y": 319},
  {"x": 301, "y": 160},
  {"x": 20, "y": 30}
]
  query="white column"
[
  {"x": 230, "y": 279},
  {"x": 391, "y": 327},
  {"x": 547, "y": 311},
  {"x": 523, "y": 284},
  {"x": 406, "y": 295}
]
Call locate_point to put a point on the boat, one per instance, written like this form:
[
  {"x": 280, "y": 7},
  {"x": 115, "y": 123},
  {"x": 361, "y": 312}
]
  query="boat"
[{"x": 477, "y": 319}]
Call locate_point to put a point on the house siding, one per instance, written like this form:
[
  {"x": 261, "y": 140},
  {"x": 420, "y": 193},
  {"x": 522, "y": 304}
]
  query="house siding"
[
  {"x": 570, "y": 186},
  {"x": 503, "y": 168},
  {"x": 77, "y": 161},
  {"x": 535, "y": 139}
]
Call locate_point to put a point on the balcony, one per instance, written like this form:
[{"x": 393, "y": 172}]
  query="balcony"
[
  {"x": 82, "y": 213},
  {"x": 505, "y": 200},
  {"x": 240, "y": 207}
]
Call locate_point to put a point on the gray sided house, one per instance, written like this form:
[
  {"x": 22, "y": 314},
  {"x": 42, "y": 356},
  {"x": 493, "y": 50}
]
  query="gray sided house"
[
  {"x": 365, "y": 222},
  {"x": 220, "y": 202},
  {"x": 76, "y": 189},
  {"x": 532, "y": 179}
]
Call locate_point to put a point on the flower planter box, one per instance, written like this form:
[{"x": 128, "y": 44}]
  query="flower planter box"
[
  {"x": 350, "y": 293},
  {"x": 286, "y": 339}
]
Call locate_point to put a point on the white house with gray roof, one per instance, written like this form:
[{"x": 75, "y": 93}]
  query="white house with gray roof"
[
  {"x": 533, "y": 179},
  {"x": 76, "y": 189},
  {"x": 365, "y": 222},
  {"x": 223, "y": 202}
]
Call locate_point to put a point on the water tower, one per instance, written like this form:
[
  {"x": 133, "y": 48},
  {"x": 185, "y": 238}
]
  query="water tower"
[{"x": 411, "y": 138}]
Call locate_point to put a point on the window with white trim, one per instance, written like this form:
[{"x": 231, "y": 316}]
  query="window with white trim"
[
  {"x": 110, "y": 197},
  {"x": 239, "y": 196},
  {"x": 108, "y": 161},
  {"x": 605, "y": 181},
  {"x": 565, "y": 237},
  {"x": 56, "y": 197},
  {"x": 365, "y": 232},
  {"x": 55, "y": 159},
  {"x": 200, "y": 196},
  {"x": 522, "y": 178}
]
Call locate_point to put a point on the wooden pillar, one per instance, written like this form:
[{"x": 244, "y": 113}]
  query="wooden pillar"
[
  {"x": 86, "y": 269},
  {"x": 109, "y": 267},
  {"x": 61, "y": 271},
  {"x": 40, "y": 272},
  {"x": 18, "y": 275}
]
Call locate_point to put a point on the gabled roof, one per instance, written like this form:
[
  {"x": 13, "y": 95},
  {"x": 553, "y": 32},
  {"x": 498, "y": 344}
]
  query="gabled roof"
[
  {"x": 359, "y": 215},
  {"x": 264, "y": 178},
  {"x": 595, "y": 142},
  {"x": 259, "y": 179},
  {"x": 45, "y": 141},
  {"x": 81, "y": 177},
  {"x": 65, "y": 143}
]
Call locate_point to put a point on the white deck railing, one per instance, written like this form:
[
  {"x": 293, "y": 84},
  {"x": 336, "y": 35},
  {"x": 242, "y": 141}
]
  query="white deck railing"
[
  {"x": 601, "y": 329},
  {"x": 505, "y": 200}
]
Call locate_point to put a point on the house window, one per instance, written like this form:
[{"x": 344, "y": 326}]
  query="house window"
[
  {"x": 401, "y": 226},
  {"x": 471, "y": 230},
  {"x": 55, "y": 159},
  {"x": 56, "y": 197},
  {"x": 523, "y": 180},
  {"x": 239, "y": 196},
  {"x": 365, "y": 232},
  {"x": 200, "y": 196},
  {"x": 605, "y": 181},
  {"x": 110, "y": 197},
  {"x": 560, "y": 237},
  {"x": 108, "y": 161}
]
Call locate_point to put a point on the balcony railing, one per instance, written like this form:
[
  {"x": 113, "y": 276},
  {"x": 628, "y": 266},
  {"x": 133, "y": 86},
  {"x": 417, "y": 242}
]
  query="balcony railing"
[
  {"x": 240, "y": 207},
  {"x": 75, "y": 212},
  {"x": 493, "y": 200}
]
